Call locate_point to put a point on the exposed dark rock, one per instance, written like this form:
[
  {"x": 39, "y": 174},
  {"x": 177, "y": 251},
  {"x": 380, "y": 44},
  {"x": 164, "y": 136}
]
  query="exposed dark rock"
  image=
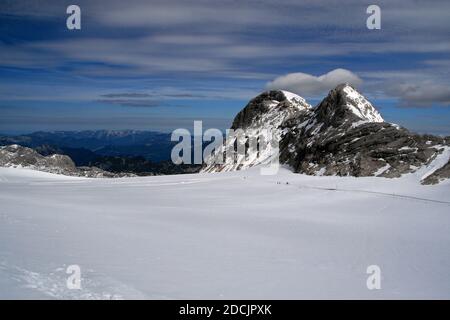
[
  {"x": 344, "y": 138},
  {"x": 258, "y": 107}
]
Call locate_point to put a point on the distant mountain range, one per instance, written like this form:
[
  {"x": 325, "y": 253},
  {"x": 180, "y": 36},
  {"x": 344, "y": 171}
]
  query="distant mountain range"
[
  {"x": 113, "y": 151},
  {"x": 84, "y": 146}
]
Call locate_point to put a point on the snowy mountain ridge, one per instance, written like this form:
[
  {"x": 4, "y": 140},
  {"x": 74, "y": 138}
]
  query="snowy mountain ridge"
[{"x": 343, "y": 135}]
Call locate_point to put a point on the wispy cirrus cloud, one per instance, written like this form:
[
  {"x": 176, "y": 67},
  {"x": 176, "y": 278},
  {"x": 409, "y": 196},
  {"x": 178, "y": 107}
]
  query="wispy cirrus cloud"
[
  {"x": 126, "y": 95},
  {"x": 158, "y": 53},
  {"x": 141, "y": 103},
  {"x": 426, "y": 94},
  {"x": 420, "y": 88},
  {"x": 199, "y": 37}
]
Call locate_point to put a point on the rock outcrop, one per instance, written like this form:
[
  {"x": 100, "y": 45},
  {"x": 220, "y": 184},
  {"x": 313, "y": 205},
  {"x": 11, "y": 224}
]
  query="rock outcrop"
[{"x": 18, "y": 156}]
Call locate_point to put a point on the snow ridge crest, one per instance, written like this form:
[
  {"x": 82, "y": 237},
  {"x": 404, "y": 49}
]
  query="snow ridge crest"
[{"x": 358, "y": 104}]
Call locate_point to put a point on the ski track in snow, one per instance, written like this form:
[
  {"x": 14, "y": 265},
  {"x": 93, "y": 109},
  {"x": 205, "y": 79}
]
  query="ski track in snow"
[{"x": 394, "y": 195}]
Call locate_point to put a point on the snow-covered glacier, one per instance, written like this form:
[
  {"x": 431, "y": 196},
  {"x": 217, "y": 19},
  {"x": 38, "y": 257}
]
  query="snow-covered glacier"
[{"x": 222, "y": 236}]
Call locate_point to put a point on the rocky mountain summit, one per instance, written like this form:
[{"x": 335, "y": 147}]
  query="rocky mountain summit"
[
  {"x": 18, "y": 156},
  {"x": 262, "y": 117},
  {"x": 343, "y": 135}
]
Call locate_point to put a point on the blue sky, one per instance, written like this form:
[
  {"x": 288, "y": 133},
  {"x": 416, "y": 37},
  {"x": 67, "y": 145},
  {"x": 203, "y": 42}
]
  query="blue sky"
[{"x": 160, "y": 65}]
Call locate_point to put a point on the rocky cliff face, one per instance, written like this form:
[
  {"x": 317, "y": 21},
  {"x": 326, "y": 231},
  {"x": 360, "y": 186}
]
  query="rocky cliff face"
[
  {"x": 263, "y": 116},
  {"x": 343, "y": 135},
  {"x": 18, "y": 156}
]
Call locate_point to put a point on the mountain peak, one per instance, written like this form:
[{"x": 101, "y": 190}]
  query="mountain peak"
[
  {"x": 344, "y": 85},
  {"x": 358, "y": 104},
  {"x": 296, "y": 99},
  {"x": 344, "y": 135},
  {"x": 344, "y": 104},
  {"x": 270, "y": 108}
]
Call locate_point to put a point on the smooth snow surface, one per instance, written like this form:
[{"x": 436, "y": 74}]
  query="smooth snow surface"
[{"x": 225, "y": 235}]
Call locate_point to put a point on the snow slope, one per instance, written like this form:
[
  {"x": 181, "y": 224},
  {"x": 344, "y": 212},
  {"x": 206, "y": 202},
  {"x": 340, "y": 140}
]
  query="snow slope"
[
  {"x": 225, "y": 235},
  {"x": 359, "y": 105}
]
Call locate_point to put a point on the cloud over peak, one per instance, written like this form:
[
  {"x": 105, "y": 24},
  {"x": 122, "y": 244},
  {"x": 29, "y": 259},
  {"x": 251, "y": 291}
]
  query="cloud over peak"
[{"x": 310, "y": 85}]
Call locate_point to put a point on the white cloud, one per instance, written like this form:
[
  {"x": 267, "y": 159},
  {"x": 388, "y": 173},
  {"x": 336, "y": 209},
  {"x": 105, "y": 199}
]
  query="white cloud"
[{"x": 307, "y": 85}]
